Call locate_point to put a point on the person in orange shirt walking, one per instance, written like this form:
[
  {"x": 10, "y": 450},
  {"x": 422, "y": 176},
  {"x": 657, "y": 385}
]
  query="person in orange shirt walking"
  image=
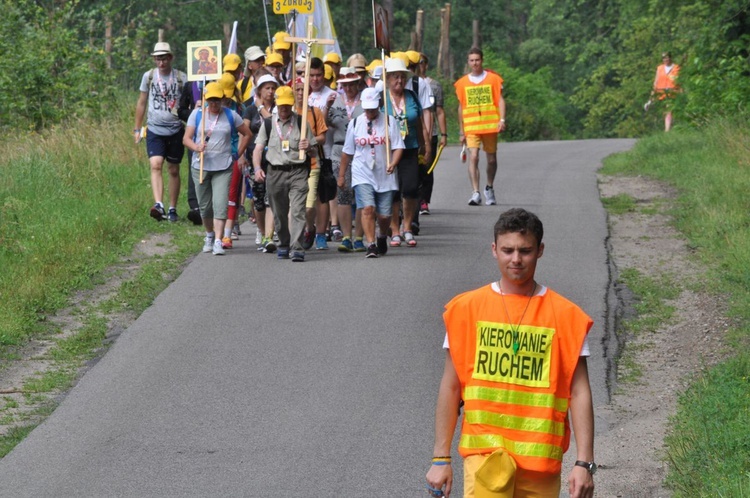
[
  {"x": 665, "y": 87},
  {"x": 481, "y": 116},
  {"x": 516, "y": 358}
]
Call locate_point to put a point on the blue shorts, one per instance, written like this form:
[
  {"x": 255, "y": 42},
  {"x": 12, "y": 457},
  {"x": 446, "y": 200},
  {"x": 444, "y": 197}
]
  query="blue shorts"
[
  {"x": 365, "y": 195},
  {"x": 169, "y": 147}
]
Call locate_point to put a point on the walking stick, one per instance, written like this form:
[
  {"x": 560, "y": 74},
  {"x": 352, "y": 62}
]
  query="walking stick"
[{"x": 203, "y": 124}]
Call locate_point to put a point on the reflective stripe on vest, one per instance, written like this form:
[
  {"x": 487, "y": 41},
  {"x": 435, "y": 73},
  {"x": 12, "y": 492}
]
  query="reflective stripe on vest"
[
  {"x": 542, "y": 400},
  {"x": 480, "y": 113},
  {"x": 521, "y": 449}
]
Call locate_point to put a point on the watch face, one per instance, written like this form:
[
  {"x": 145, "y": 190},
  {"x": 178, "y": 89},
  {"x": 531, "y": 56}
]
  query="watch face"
[{"x": 592, "y": 468}]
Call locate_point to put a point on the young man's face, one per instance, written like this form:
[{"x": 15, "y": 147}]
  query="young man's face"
[
  {"x": 163, "y": 61},
  {"x": 475, "y": 63},
  {"x": 517, "y": 255},
  {"x": 316, "y": 79}
]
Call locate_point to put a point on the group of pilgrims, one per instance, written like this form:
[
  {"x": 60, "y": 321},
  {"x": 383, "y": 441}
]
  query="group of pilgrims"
[{"x": 240, "y": 150}]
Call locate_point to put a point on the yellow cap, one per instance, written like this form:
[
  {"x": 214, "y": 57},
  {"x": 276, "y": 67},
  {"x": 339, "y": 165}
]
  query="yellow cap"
[
  {"x": 284, "y": 96},
  {"x": 214, "y": 90},
  {"x": 402, "y": 56},
  {"x": 332, "y": 57},
  {"x": 231, "y": 62},
  {"x": 227, "y": 83},
  {"x": 372, "y": 65},
  {"x": 274, "y": 59},
  {"x": 413, "y": 56},
  {"x": 328, "y": 74},
  {"x": 281, "y": 45}
]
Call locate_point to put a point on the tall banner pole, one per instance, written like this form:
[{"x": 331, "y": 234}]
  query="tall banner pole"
[
  {"x": 203, "y": 125},
  {"x": 385, "y": 114},
  {"x": 265, "y": 14}
]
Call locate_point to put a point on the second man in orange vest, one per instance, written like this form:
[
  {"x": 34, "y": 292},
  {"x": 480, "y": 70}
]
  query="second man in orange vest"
[{"x": 481, "y": 116}]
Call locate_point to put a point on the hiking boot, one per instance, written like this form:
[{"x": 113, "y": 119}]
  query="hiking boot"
[
  {"x": 218, "y": 249},
  {"x": 475, "y": 200},
  {"x": 346, "y": 245},
  {"x": 382, "y": 245},
  {"x": 359, "y": 246},
  {"x": 372, "y": 251},
  {"x": 307, "y": 240},
  {"x": 321, "y": 244},
  {"x": 226, "y": 242},
  {"x": 172, "y": 215},
  {"x": 208, "y": 244},
  {"x": 194, "y": 215},
  {"x": 298, "y": 257},
  {"x": 489, "y": 196},
  {"x": 157, "y": 213}
]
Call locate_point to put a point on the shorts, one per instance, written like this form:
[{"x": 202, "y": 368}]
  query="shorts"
[
  {"x": 527, "y": 483},
  {"x": 312, "y": 185},
  {"x": 487, "y": 140},
  {"x": 260, "y": 197},
  {"x": 366, "y": 196},
  {"x": 213, "y": 193},
  {"x": 169, "y": 147}
]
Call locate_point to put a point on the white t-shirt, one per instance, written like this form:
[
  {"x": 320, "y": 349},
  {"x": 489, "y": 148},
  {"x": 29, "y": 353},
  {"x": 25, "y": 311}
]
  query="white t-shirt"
[
  {"x": 477, "y": 79},
  {"x": 365, "y": 146},
  {"x": 320, "y": 98},
  {"x": 584, "y": 348}
]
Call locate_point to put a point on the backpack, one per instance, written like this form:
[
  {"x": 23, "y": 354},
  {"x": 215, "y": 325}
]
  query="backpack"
[{"x": 180, "y": 83}]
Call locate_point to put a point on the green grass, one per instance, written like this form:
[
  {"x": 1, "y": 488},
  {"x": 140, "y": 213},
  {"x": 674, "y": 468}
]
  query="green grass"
[
  {"x": 709, "y": 441},
  {"x": 651, "y": 304},
  {"x": 92, "y": 212},
  {"x": 619, "y": 204}
]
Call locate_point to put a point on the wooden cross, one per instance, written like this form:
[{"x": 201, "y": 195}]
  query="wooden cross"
[{"x": 308, "y": 41}]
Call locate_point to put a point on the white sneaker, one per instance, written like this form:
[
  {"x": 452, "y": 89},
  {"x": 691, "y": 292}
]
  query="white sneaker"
[
  {"x": 489, "y": 196},
  {"x": 475, "y": 200},
  {"x": 208, "y": 244},
  {"x": 218, "y": 248}
]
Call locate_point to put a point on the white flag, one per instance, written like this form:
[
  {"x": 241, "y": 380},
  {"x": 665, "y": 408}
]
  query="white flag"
[{"x": 322, "y": 28}]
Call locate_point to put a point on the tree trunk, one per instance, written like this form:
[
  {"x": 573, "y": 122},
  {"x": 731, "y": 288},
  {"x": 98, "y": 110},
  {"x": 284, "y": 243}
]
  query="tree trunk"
[
  {"x": 108, "y": 43},
  {"x": 444, "y": 62},
  {"x": 355, "y": 27},
  {"x": 420, "y": 30},
  {"x": 475, "y": 38},
  {"x": 161, "y": 35}
]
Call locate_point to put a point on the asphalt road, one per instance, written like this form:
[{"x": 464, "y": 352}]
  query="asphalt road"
[{"x": 262, "y": 378}]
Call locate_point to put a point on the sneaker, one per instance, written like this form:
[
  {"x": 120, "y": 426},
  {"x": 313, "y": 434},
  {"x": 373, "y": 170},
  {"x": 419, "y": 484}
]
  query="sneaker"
[
  {"x": 475, "y": 200},
  {"x": 236, "y": 232},
  {"x": 226, "y": 242},
  {"x": 372, "y": 251},
  {"x": 194, "y": 215},
  {"x": 259, "y": 240},
  {"x": 307, "y": 240},
  {"x": 336, "y": 234},
  {"x": 321, "y": 244},
  {"x": 208, "y": 244},
  {"x": 489, "y": 196},
  {"x": 218, "y": 248},
  {"x": 346, "y": 245},
  {"x": 275, "y": 238},
  {"x": 410, "y": 240},
  {"x": 282, "y": 254},
  {"x": 382, "y": 245},
  {"x": 157, "y": 213},
  {"x": 424, "y": 209},
  {"x": 269, "y": 245},
  {"x": 172, "y": 215},
  {"x": 359, "y": 246},
  {"x": 415, "y": 227},
  {"x": 298, "y": 257}
]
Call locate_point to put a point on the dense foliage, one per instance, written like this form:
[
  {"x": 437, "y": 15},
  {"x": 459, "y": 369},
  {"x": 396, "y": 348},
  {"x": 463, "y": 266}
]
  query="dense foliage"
[{"x": 572, "y": 67}]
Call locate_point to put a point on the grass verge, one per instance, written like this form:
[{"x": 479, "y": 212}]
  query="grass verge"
[
  {"x": 75, "y": 207},
  {"x": 708, "y": 444}
]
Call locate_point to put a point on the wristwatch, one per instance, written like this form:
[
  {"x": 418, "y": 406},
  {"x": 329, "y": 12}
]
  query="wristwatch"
[{"x": 590, "y": 466}]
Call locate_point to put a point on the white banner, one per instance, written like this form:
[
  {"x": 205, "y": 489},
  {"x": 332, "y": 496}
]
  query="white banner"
[{"x": 322, "y": 28}]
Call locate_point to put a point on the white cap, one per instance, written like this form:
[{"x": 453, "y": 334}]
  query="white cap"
[
  {"x": 266, "y": 78},
  {"x": 253, "y": 54},
  {"x": 370, "y": 98}
]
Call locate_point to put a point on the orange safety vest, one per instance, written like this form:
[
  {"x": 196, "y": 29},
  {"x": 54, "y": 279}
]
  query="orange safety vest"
[
  {"x": 516, "y": 400},
  {"x": 480, "y": 103},
  {"x": 665, "y": 83}
]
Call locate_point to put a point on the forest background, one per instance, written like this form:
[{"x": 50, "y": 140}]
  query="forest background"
[{"x": 573, "y": 68}]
